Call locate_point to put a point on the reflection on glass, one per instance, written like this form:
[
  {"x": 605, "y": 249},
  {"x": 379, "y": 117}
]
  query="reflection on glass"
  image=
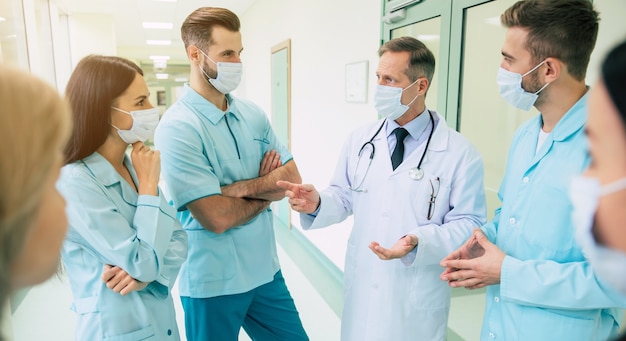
[
  {"x": 427, "y": 32},
  {"x": 45, "y": 53},
  {"x": 484, "y": 118},
  {"x": 12, "y": 34}
]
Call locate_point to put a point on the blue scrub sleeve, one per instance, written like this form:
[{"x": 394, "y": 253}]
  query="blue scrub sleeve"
[
  {"x": 186, "y": 169},
  {"x": 138, "y": 247}
]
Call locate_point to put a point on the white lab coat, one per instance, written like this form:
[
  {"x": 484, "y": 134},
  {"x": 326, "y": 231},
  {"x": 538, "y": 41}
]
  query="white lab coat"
[{"x": 390, "y": 300}]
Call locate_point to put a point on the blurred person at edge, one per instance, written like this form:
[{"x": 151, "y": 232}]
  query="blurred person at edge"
[
  {"x": 599, "y": 194},
  {"x": 124, "y": 245},
  {"x": 35, "y": 127},
  {"x": 539, "y": 284}
]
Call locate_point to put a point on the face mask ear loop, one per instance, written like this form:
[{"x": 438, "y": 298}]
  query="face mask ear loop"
[
  {"x": 414, "y": 98},
  {"x": 120, "y": 110},
  {"x": 410, "y": 85},
  {"x": 613, "y": 187},
  {"x": 533, "y": 69}
]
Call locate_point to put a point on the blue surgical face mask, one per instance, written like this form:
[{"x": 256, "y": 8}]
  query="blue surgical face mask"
[
  {"x": 388, "y": 101},
  {"x": 510, "y": 85},
  {"x": 144, "y": 124},
  {"x": 585, "y": 193},
  {"x": 228, "y": 75}
]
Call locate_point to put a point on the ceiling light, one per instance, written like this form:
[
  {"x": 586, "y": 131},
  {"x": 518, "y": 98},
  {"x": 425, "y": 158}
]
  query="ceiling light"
[
  {"x": 160, "y": 57},
  {"x": 160, "y": 64},
  {"x": 162, "y": 76},
  {"x": 159, "y": 42},
  {"x": 2, "y": 19},
  {"x": 158, "y": 25}
]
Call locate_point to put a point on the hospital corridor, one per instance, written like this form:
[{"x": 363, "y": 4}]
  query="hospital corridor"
[
  {"x": 297, "y": 128},
  {"x": 44, "y": 312}
]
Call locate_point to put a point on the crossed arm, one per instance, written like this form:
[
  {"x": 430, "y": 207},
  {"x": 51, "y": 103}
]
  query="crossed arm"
[{"x": 243, "y": 200}]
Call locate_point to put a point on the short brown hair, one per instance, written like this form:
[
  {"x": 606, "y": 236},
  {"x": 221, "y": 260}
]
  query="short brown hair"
[
  {"x": 422, "y": 61},
  {"x": 198, "y": 26},
  {"x": 563, "y": 29},
  {"x": 95, "y": 84}
]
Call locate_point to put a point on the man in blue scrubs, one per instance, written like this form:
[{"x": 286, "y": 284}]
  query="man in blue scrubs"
[
  {"x": 221, "y": 160},
  {"x": 539, "y": 285}
]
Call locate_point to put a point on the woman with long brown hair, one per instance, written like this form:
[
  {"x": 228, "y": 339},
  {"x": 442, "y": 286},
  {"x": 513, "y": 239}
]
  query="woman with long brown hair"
[{"x": 124, "y": 246}]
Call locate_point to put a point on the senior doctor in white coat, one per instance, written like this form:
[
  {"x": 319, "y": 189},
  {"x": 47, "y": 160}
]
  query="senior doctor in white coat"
[{"x": 423, "y": 209}]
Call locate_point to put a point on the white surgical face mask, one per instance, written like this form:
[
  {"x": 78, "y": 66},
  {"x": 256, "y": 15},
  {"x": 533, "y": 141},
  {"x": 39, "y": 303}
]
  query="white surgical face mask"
[
  {"x": 510, "y": 85},
  {"x": 144, "y": 124},
  {"x": 388, "y": 101},
  {"x": 607, "y": 263},
  {"x": 228, "y": 75}
]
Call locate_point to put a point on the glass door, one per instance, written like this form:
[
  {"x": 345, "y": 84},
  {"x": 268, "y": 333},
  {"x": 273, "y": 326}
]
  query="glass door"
[
  {"x": 483, "y": 117},
  {"x": 429, "y": 22}
]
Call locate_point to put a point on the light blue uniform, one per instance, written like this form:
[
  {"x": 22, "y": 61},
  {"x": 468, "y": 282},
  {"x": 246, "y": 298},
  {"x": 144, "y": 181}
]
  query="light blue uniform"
[
  {"x": 203, "y": 149},
  {"x": 547, "y": 290},
  {"x": 230, "y": 280},
  {"x": 111, "y": 224}
]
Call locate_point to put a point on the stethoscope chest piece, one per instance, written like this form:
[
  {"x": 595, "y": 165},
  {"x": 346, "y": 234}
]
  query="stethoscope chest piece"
[{"x": 416, "y": 173}]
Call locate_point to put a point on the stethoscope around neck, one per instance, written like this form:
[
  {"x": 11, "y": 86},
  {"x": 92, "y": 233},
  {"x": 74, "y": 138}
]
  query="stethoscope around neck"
[{"x": 415, "y": 173}]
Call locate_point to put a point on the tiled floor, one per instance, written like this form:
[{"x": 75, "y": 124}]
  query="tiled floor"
[{"x": 44, "y": 313}]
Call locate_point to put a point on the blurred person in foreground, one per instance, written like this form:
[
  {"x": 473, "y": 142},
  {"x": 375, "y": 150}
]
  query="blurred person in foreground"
[
  {"x": 35, "y": 127},
  {"x": 599, "y": 194}
]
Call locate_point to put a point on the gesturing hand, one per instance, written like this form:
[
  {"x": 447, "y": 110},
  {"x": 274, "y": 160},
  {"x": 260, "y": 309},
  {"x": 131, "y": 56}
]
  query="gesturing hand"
[
  {"x": 120, "y": 281},
  {"x": 403, "y": 246},
  {"x": 476, "y": 264},
  {"x": 302, "y": 198}
]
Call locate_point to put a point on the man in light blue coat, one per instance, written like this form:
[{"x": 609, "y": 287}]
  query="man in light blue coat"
[{"x": 540, "y": 287}]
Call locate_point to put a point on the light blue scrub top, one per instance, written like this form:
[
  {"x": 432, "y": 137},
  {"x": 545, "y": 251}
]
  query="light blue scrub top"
[
  {"x": 202, "y": 149},
  {"x": 111, "y": 224},
  {"x": 547, "y": 290}
]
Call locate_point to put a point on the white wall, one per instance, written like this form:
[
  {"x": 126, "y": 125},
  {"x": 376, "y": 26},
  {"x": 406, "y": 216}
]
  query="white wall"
[
  {"x": 325, "y": 36},
  {"x": 91, "y": 34},
  {"x": 612, "y": 31}
]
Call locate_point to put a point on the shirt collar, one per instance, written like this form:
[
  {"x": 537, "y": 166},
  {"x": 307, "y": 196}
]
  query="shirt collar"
[
  {"x": 203, "y": 107},
  {"x": 573, "y": 120},
  {"x": 104, "y": 171},
  {"x": 415, "y": 127}
]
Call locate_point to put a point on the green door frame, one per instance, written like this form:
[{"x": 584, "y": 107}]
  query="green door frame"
[
  {"x": 453, "y": 81},
  {"x": 450, "y": 61},
  {"x": 421, "y": 11}
]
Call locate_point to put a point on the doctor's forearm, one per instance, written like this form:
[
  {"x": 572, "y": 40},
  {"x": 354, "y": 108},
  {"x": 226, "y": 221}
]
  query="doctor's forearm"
[{"x": 264, "y": 187}]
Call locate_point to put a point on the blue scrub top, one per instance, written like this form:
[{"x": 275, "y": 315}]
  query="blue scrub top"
[
  {"x": 204, "y": 148},
  {"x": 547, "y": 290},
  {"x": 111, "y": 224}
]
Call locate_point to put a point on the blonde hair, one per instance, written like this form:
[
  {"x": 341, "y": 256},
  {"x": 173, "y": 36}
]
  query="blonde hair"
[{"x": 34, "y": 129}]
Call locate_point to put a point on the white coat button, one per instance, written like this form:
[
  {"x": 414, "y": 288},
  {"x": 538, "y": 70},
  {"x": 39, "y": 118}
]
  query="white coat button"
[
  {"x": 512, "y": 221},
  {"x": 497, "y": 299},
  {"x": 525, "y": 179},
  {"x": 492, "y": 335}
]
